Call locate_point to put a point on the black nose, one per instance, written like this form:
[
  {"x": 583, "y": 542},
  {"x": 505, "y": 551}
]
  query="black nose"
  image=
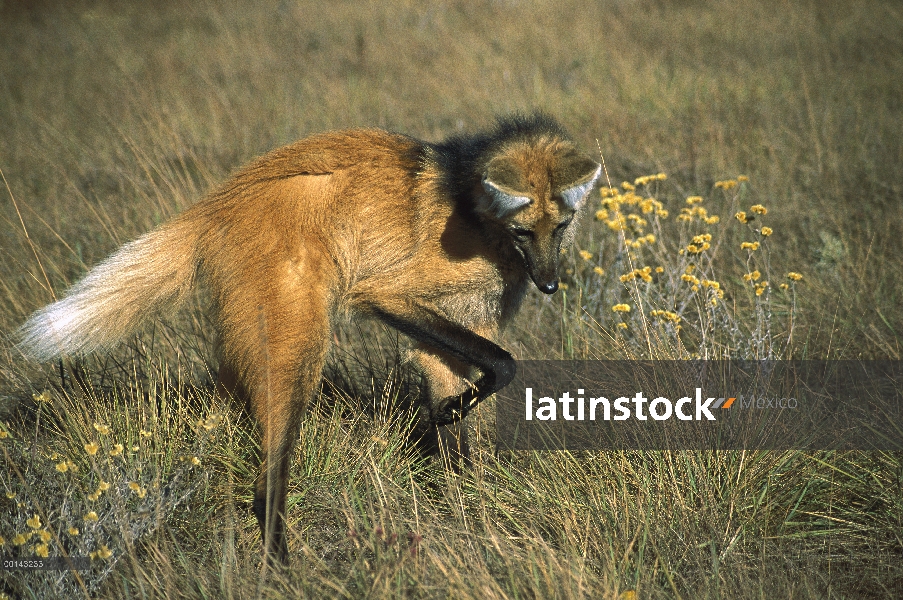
[{"x": 548, "y": 288}]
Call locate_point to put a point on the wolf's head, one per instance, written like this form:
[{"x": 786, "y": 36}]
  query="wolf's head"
[{"x": 533, "y": 186}]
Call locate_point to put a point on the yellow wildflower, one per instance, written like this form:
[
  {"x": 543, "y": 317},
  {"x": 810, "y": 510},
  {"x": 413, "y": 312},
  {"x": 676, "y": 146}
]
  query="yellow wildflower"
[
  {"x": 644, "y": 274},
  {"x": 585, "y": 255},
  {"x": 116, "y": 450},
  {"x": 599, "y": 271},
  {"x": 742, "y": 178},
  {"x": 601, "y": 214},
  {"x": 694, "y": 199},
  {"x": 2, "y": 541},
  {"x": 691, "y": 279},
  {"x": 751, "y": 246},
  {"x": 42, "y": 397},
  {"x": 754, "y": 276},
  {"x": 92, "y": 448},
  {"x": 659, "y": 269},
  {"x": 45, "y": 535},
  {"x": 73, "y": 531},
  {"x": 766, "y": 231},
  {"x": 794, "y": 276},
  {"x": 93, "y": 496},
  {"x": 760, "y": 288},
  {"x": 103, "y": 552},
  {"x": 622, "y": 325},
  {"x": 662, "y": 213},
  {"x": 627, "y": 186},
  {"x": 712, "y": 220},
  {"x": 102, "y": 429},
  {"x": 784, "y": 286},
  {"x": 62, "y": 467},
  {"x": 650, "y": 204},
  {"x": 103, "y": 486},
  {"x": 3, "y": 434},
  {"x": 665, "y": 315},
  {"x": 20, "y": 539},
  {"x": 727, "y": 184},
  {"x": 34, "y": 522},
  {"x": 759, "y": 209},
  {"x": 621, "y": 308},
  {"x": 638, "y": 221},
  {"x": 741, "y": 216},
  {"x": 617, "y": 223},
  {"x": 42, "y": 550},
  {"x": 91, "y": 516},
  {"x": 561, "y": 286}
]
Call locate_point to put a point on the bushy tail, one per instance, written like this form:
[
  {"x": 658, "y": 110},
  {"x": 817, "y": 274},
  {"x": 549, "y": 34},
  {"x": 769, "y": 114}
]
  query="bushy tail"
[{"x": 141, "y": 279}]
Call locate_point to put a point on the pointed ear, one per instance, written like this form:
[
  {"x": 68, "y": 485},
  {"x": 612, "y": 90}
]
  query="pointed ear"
[
  {"x": 502, "y": 181},
  {"x": 576, "y": 175},
  {"x": 574, "y": 195},
  {"x": 499, "y": 202}
]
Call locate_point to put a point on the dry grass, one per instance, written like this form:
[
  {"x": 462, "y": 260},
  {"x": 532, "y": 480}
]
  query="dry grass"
[{"x": 115, "y": 118}]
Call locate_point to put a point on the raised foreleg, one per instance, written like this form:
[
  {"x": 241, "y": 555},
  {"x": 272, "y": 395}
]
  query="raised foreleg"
[{"x": 433, "y": 329}]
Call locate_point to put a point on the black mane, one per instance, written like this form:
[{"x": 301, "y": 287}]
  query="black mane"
[{"x": 460, "y": 157}]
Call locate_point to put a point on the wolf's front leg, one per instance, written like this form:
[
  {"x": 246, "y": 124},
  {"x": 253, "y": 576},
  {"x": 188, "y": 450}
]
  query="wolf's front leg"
[
  {"x": 445, "y": 377},
  {"x": 452, "y": 346}
]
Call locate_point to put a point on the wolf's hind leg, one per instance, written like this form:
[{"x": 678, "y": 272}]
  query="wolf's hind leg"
[{"x": 278, "y": 352}]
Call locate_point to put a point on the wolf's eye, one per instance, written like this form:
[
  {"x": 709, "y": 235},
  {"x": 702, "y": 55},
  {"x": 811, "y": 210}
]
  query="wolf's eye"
[
  {"x": 522, "y": 235},
  {"x": 562, "y": 225}
]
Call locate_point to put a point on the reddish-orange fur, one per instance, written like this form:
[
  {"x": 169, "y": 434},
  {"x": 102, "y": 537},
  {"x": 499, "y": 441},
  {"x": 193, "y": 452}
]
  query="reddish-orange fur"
[{"x": 360, "y": 220}]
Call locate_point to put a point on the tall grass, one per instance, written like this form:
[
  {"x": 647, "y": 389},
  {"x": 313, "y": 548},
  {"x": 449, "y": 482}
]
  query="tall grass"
[{"x": 115, "y": 117}]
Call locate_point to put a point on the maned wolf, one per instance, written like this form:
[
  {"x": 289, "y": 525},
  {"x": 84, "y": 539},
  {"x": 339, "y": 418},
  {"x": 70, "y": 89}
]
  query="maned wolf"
[{"x": 437, "y": 240}]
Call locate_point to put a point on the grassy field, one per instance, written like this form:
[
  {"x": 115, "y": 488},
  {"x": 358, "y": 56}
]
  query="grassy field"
[{"x": 115, "y": 116}]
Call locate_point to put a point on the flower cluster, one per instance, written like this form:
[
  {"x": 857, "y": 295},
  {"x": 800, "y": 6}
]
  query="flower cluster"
[
  {"x": 690, "y": 293},
  {"x": 94, "y": 482},
  {"x": 693, "y": 213},
  {"x": 645, "y": 274},
  {"x": 616, "y": 207},
  {"x": 665, "y": 315}
]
